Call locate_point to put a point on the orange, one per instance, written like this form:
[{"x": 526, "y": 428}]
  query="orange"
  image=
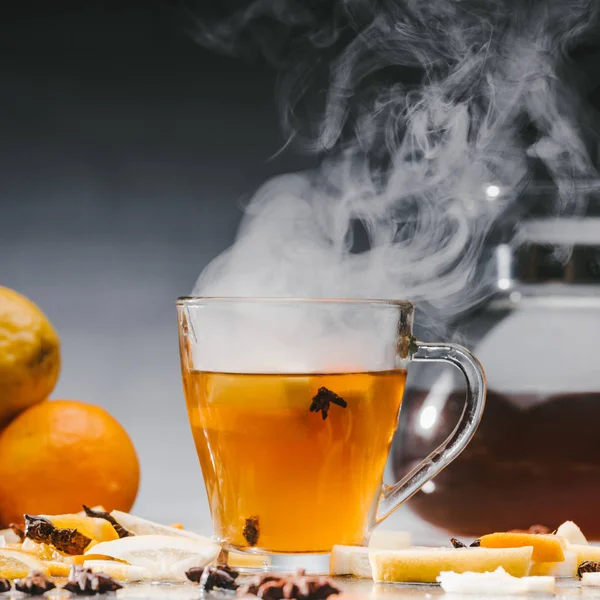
[
  {"x": 546, "y": 548},
  {"x": 29, "y": 355},
  {"x": 61, "y": 454}
]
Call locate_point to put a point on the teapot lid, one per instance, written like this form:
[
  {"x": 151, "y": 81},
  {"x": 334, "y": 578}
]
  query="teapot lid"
[{"x": 559, "y": 250}]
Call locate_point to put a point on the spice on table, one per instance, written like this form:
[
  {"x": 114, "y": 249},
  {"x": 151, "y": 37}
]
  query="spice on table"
[
  {"x": 286, "y": 587},
  {"x": 209, "y": 578},
  {"x": 99, "y": 514},
  {"x": 83, "y": 582},
  {"x": 35, "y": 584},
  {"x": 5, "y": 585},
  {"x": 458, "y": 544},
  {"x": 251, "y": 530},
  {"x": 323, "y": 399}
]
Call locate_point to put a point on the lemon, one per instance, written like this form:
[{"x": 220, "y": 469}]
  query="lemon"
[
  {"x": 164, "y": 557},
  {"x": 29, "y": 355},
  {"x": 117, "y": 570},
  {"x": 139, "y": 526},
  {"x": 350, "y": 560}
]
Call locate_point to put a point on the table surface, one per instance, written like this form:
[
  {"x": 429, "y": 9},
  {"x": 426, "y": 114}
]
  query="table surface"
[{"x": 361, "y": 588}]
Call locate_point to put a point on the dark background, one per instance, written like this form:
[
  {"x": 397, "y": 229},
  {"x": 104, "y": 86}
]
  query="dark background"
[{"x": 126, "y": 154}]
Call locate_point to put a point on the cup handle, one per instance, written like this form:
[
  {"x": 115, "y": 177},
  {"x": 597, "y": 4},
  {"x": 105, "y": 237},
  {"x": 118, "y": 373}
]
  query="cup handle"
[{"x": 392, "y": 496}]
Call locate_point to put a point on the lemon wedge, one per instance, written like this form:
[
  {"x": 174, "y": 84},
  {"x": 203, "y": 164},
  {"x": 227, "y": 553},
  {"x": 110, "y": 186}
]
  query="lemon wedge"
[
  {"x": 16, "y": 563},
  {"x": 164, "y": 557},
  {"x": 565, "y": 568},
  {"x": 117, "y": 570},
  {"x": 139, "y": 526},
  {"x": 350, "y": 560},
  {"x": 585, "y": 552},
  {"x": 571, "y": 533},
  {"x": 424, "y": 565}
]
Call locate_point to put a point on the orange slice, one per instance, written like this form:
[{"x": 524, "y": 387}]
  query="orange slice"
[{"x": 546, "y": 548}]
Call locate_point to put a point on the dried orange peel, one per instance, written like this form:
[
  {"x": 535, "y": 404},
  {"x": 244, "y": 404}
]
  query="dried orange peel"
[{"x": 546, "y": 548}]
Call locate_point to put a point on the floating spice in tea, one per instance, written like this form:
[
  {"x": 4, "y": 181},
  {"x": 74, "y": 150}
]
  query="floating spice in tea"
[
  {"x": 252, "y": 530},
  {"x": 67, "y": 541},
  {"x": 588, "y": 566},
  {"x": 35, "y": 584},
  {"x": 322, "y": 401},
  {"x": 98, "y": 514}
]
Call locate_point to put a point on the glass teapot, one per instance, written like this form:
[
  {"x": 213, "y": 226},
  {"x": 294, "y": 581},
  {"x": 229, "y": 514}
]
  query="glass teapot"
[{"x": 536, "y": 456}]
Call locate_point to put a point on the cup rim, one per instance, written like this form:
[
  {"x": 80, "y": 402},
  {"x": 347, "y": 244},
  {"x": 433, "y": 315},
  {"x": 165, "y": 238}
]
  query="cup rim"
[{"x": 199, "y": 300}]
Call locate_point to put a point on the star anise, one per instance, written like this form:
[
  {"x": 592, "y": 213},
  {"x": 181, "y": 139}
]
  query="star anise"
[
  {"x": 35, "y": 584},
  {"x": 251, "y": 531},
  {"x": 287, "y": 587},
  {"x": 323, "y": 399},
  {"x": 98, "y": 514},
  {"x": 5, "y": 585},
  {"x": 84, "y": 582},
  {"x": 222, "y": 577},
  {"x": 588, "y": 566}
]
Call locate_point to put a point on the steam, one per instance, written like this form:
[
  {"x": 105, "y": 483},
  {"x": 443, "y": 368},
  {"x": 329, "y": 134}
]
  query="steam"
[{"x": 436, "y": 117}]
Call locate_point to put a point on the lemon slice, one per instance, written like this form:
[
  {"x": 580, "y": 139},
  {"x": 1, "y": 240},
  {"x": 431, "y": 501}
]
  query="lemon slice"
[
  {"x": 16, "y": 563},
  {"x": 423, "y": 565},
  {"x": 163, "y": 556},
  {"x": 117, "y": 570},
  {"x": 571, "y": 533},
  {"x": 585, "y": 552},
  {"x": 382, "y": 539},
  {"x": 139, "y": 526},
  {"x": 497, "y": 583},
  {"x": 350, "y": 560}
]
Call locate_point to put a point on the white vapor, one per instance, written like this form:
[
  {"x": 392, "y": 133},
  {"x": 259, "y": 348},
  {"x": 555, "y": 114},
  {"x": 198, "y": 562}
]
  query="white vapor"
[{"x": 428, "y": 105}]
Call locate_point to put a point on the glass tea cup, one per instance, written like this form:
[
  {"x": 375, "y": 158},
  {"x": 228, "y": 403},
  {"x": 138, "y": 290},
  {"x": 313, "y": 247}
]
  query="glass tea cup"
[{"x": 293, "y": 404}]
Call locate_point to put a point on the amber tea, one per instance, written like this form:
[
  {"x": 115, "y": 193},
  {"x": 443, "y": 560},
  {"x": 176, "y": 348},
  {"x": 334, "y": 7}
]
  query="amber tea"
[{"x": 293, "y": 463}]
